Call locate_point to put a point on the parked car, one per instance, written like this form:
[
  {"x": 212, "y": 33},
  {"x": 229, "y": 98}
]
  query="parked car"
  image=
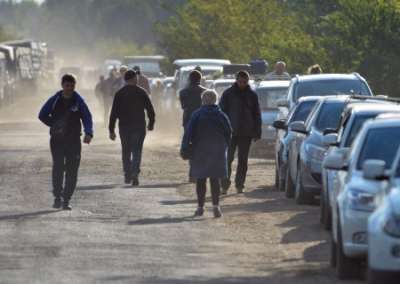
[
  {"x": 306, "y": 151},
  {"x": 220, "y": 85},
  {"x": 268, "y": 93},
  {"x": 383, "y": 228},
  {"x": 283, "y": 136},
  {"x": 351, "y": 121},
  {"x": 322, "y": 85},
  {"x": 149, "y": 64},
  {"x": 352, "y": 201}
]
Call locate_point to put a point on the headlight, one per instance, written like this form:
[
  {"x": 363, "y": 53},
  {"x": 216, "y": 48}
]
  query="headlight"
[
  {"x": 392, "y": 227},
  {"x": 361, "y": 200},
  {"x": 316, "y": 151}
]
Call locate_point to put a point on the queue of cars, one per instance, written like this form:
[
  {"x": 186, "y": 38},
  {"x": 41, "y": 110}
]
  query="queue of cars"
[{"x": 344, "y": 149}]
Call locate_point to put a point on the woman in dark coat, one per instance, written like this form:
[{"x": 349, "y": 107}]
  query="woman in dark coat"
[{"x": 209, "y": 132}]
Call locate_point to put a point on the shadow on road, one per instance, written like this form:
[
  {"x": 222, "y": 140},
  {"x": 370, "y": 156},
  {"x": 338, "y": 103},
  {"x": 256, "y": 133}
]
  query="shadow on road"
[
  {"x": 165, "y": 220},
  {"x": 27, "y": 215}
]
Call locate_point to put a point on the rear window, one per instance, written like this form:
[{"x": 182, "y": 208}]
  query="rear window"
[
  {"x": 331, "y": 87},
  {"x": 328, "y": 116},
  {"x": 267, "y": 97},
  {"x": 358, "y": 122},
  {"x": 380, "y": 144}
]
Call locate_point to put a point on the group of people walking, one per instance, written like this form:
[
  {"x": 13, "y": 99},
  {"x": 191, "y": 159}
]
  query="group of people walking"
[{"x": 212, "y": 132}]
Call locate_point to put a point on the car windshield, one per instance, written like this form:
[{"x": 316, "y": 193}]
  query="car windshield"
[
  {"x": 358, "y": 122},
  {"x": 301, "y": 111},
  {"x": 267, "y": 97},
  {"x": 380, "y": 144},
  {"x": 328, "y": 116},
  {"x": 330, "y": 87}
]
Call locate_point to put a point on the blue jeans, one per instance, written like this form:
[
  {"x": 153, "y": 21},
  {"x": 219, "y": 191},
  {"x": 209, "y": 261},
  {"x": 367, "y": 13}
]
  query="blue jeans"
[{"x": 132, "y": 138}]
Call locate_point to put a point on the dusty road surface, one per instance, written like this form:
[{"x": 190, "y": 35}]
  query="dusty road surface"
[{"x": 147, "y": 234}]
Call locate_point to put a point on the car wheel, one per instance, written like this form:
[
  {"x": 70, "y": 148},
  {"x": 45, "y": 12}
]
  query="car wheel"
[
  {"x": 276, "y": 179},
  {"x": 301, "y": 196},
  {"x": 327, "y": 214},
  {"x": 281, "y": 181},
  {"x": 322, "y": 208},
  {"x": 347, "y": 268},
  {"x": 333, "y": 250},
  {"x": 289, "y": 185}
]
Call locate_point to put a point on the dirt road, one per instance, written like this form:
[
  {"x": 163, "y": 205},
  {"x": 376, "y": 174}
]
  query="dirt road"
[{"x": 147, "y": 234}]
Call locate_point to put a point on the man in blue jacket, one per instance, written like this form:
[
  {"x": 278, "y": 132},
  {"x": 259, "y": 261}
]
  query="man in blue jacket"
[
  {"x": 68, "y": 109},
  {"x": 240, "y": 103}
]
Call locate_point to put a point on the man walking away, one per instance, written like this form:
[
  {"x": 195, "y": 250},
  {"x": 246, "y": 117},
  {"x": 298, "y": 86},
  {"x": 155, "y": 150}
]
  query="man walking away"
[
  {"x": 63, "y": 113},
  {"x": 128, "y": 107},
  {"x": 240, "y": 104}
]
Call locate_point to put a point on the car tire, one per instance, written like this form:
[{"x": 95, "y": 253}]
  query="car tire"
[
  {"x": 276, "y": 179},
  {"x": 327, "y": 215},
  {"x": 281, "y": 181},
  {"x": 322, "y": 208},
  {"x": 347, "y": 268},
  {"x": 289, "y": 185},
  {"x": 333, "y": 251},
  {"x": 301, "y": 196}
]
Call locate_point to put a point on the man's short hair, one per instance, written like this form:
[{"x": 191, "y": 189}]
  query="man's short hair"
[
  {"x": 194, "y": 76},
  {"x": 242, "y": 74},
  {"x": 136, "y": 68},
  {"x": 209, "y": 97},
  {"x": 129, "y": 75},
  {"x": 71, "y": 78}
]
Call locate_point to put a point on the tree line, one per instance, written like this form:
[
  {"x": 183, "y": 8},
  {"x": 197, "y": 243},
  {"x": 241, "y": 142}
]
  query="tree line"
[{"x": 340, "y": 35}]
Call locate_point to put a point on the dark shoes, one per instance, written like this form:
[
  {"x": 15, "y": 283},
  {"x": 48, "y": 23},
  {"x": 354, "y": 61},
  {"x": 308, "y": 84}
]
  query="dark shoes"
[
  {"x": 217, "y": 211},
  {"x": 224, "y": 191},
  {"x": 66, "y": 206},
  {"x": 135, "y": 180},
  {"x": 57, "y": 203},
  {"x": 199, "y": 211},
  {"x": 128, "y": 180},
  {"x": 240, "y": 189}
]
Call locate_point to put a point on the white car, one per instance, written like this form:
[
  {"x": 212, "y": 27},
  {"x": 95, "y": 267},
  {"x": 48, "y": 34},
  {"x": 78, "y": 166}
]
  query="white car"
[
  {"x": 352, "y": 200},
  {"x": 384, "y": 224},
  {"x": 351, "y": 121}
]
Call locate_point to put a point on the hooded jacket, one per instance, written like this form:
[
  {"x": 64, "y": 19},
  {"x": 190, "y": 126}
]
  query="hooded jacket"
[
  {"x": 209, "y": 132},
  {"x": 243, "y": 111},
  {"x": 54, "y": 109}
]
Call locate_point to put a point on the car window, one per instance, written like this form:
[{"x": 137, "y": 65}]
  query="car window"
[
  {"x": 397, "y": 173},
  {"x": 328, "y": 116},
  {"x": 267, "y": 97},
  {"x": 330, "y": 87},
  {"x": 301, "y": 111},
  {"x": 310, "y": 116},
  {"x": 380, "y": 144},
  {"x": 357, "y": 123}
]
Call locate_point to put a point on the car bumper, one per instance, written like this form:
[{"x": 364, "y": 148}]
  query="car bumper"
[
  {"x": 383, "y": 251},
  {"x": 311, "y": 175},
  {"x": 354, "y": 233}
]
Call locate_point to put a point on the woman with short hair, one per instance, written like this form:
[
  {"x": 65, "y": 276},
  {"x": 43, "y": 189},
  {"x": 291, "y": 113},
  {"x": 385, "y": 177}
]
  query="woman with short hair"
[{"x": 208, "y": 134}]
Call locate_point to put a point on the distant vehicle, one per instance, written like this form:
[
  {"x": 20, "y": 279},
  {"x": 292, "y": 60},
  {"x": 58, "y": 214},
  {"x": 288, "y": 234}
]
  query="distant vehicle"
[
  {"x": 200, "y": 62},
  {"x": 322, "y": 85},
  {"x": 109, "y": 65},
  {"x": 284, "y": 135},
  {"x": 220, "y": 85},
  {"x": 268, "y": 93},
  {"x": 383, "y": 228},
  {"x": 149, "y": 65},
  {"x": 353, "y": 194}
]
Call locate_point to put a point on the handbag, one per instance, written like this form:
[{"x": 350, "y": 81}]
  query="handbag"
[
  {"x": 59, "y": 128},
  {"x": 187, "y": 155}
]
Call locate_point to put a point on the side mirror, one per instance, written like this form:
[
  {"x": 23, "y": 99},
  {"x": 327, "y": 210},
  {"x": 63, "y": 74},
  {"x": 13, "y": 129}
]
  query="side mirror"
[
  {"x": 330, "y": 139},
  {"x": 335, "y": 162},
  {"x": 298, "y": 126},
  {"x": 282, "y": 103},
  {"x": 374, "y": 169},
  {"x": 279, "y": 124}
]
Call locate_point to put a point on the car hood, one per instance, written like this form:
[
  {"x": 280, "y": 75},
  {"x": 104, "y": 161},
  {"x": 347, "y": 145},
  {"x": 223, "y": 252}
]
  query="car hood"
[
  {"x": 269, "y": 116},
  {"x": 394, "y": 198}
]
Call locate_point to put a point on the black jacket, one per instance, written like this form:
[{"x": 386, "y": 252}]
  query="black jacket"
[
  {"x": 128, "y": 107},
  {"x": 243, "y": 111},
  {"x": 190, "y": 98}
]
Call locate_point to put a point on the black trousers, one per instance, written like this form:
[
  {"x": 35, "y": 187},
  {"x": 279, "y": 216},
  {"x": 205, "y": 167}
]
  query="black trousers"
[
  {"x": 66, "y": 159},
  {"x": 201, "y": 190},
  {"x": 243, "y": 144}
]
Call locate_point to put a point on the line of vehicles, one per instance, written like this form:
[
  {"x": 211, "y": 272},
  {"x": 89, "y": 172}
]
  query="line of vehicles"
[
  {"x": 26, "y": 66},
  {"x": 337, "y": 141}
]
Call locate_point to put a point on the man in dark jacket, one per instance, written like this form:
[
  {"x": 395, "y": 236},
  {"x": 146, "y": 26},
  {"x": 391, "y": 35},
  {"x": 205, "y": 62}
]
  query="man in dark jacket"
[
  {"x": 142, "y": 81},
  {"x": 190, "y": 97},
  {"x": 128, "y": 107},
  {"x": 69, "y": 106},
  {"x": 240, "y": 104}
]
